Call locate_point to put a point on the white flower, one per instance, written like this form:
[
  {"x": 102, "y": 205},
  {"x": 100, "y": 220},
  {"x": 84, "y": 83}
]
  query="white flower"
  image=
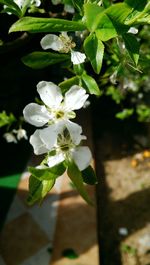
[
  {"x": 10, "y": 138},
  {"x": 56, "y": 107},
  {"x": 68, "y": 8},
  {"x": 21, "y": 133},
  {"x": 123, "y": 231},
  {"x": 77, "y": 57},
  {"x": 62, "y": 43},
  {"x": 133, "y": 30},
  {"x": 20, "y": 3},
  {"x": 63, "y": 139}
]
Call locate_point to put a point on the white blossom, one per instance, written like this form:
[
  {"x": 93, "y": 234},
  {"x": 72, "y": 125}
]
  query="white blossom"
[
  {"x": 10, "y": 137},
  {"x": 123, "y": 231},
  {"x": 20, "y": 3},
  {"x": 56, "y": 106},
  {"x": 63, "y": 139},
  {"x": 77, "y": 57},
  {"x": 133, "y": 30},
  {"x": 64, "y": 44},
  {"x": 20, "y": 134}
]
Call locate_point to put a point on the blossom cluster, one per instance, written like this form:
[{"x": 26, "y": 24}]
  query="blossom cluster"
[{"x": 58, "y": 137}]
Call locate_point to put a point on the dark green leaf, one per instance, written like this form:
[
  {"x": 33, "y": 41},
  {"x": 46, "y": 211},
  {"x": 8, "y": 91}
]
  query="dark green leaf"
[
  {"x": 132, "y": 46},
  {"x": 65, "y": 85},
  {"x": 38, "y": 189},
  {"x": 12, "y": 5},
  {"x": 78, "y": 4},
  {"x": 136, "y": 4},
  {"x": 39, "y": 60},
  {"x": 89, "y": 176},
  {"x": 33, "y": 25},
  {"x": 69, "y": 253},
  {"x": 48, "y": 173},
  {"x": 90, "y": 84},
  {"x": 94, "y": 50},
  {"x": 76, "y": 177}
]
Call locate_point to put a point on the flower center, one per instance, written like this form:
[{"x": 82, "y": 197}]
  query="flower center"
[
  {"x": 60, "y": 114},
  {"x": 64, "y": 141}
]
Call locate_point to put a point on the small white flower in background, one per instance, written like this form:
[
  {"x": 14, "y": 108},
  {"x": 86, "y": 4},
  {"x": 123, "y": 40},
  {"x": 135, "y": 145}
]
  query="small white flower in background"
[
  {"x": 20, "y": 134},
  {"x": 64, "y": 44},
  {"x": 133, "y": 30},
  {"x": 10, "y": 137},
  {"x": 144, "y": 243},
  {"x": 68, "y": 8},
  {"x": 56, "y": 107},
  {"x": 20, "y": 3},
  {"x": 63, "y": 139},
  {"x": 123, "y": 231}
]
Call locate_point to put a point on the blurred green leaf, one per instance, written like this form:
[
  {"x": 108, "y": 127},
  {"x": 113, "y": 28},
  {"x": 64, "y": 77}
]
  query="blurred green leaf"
[
  {"x": 132, "y": 46},
  {"x": 48, "y": 173},
  {"x": 6, "y": 119},
  {"x": 39, "y": 60},
  {"x": 89, "y": 176},
  {"x": 126, "y": 113},
  {"x": 38, "y": 189},
  {"x": 91, "y": 11},
  {"x": 75, "y": 175},
  {"x": 65, "y": 85}
]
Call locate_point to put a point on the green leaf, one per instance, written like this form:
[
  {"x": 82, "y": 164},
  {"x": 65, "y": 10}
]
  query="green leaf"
[
  {"x": 112, "y": 19},
  {"x": 34, "y": 25},
  {"x": 12, "y": 5},
  {"x": 38, "y": 189},
  {"x": 6, "y": 119},
  {"x": 94, "y": 50},
  {"x": 65, "y": 85},
  {"x": 105, "y": 29},
  {"x": 91, "y": 11},
  {"x": 136, "y": 4},
  {"x": 48, "y": 173},
  {"x": 39, "y": 60},
  {"x": 78, "y": 4},
  {"x": 90, "y": 84},
  {"x": 70, "y": 253},
  {"x": 126, "y": 113},
  {"x": 76, "y": 177},
  {"x": 132, "y": 46},
  {"x": 89, "y": 176}
]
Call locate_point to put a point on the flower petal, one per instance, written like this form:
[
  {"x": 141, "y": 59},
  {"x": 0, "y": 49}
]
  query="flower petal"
[
  {"x": 49, "y": 136},
  {"x": 75, "y": 98},
  {"x": 36, "y": 115},
  {"x": 75, "y": 131},
  {"x": 82, "y": 157},
  {"x": 77, "y": 57},
  {"x": 50, "y": 94},
  {"x": 52, "y": 41},
  {"x": 56, "y": 159},
  {"x": 38, "y": 145}
]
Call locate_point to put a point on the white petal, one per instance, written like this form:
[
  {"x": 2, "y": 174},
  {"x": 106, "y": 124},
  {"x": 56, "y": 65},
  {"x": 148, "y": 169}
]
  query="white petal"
[
  {"x": 75, "y": 98},
  {"x": 49, "y": 136},
  {"x": 133, "y": 30},
  {"x": 77, "y": 57},
  {"x": 52, "y": 41},
  {"x": 69, "y": 9},
  {"x": 82, "y": 157},
  {"x": 54, "y": 160},
  {"x": 75, "y": 131},
  {"x": 50, "y": 94},
  {"x": 36, "y": 115},
  {"x": 38, "y": 145}
]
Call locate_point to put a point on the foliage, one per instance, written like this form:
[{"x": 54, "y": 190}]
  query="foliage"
[{"x": 102, "y": 47}]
